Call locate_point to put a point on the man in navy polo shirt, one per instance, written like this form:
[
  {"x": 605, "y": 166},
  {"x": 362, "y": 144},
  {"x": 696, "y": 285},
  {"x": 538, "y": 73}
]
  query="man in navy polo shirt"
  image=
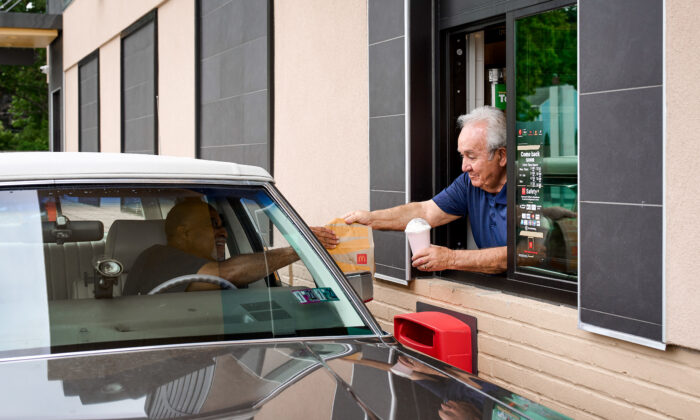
[{"x": 480, "y": 193}]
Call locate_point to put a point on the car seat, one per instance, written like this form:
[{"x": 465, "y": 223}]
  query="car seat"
[{"x": 126, "y": 240}]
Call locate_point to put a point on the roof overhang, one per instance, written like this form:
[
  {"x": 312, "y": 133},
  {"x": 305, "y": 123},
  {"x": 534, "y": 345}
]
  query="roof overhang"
[
  {"x": 26, "y": 37},
  {"x": 28, "y": 30}
]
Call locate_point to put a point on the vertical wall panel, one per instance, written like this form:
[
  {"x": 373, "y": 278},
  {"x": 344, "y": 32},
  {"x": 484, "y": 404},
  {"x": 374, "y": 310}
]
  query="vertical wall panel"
[
  {"x": 89, "y": 105},
  {"x": 234, "y": 96},
  {"x": 387, "y": 122},
  {"x": 139, "y": 90},
  {"x": 620, "y": 164}
]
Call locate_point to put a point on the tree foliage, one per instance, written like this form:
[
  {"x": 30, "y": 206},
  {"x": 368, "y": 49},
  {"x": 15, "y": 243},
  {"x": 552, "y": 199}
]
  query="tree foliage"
[{"x": 26, "y": 125}]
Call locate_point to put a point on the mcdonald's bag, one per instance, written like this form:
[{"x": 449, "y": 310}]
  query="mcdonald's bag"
[{"x": 355, "y": 252}]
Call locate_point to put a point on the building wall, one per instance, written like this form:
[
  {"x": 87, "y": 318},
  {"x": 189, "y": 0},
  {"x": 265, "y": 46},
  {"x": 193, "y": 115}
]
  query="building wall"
[
  {"x": 534, "y": 348},
  {"x": 176, "y": 63},
  {"x": 70, "y": 136},
  {"x": 682, "y": 174},
  {"x": 89, "y": 25},
  {"x": 321, "y": 106}
]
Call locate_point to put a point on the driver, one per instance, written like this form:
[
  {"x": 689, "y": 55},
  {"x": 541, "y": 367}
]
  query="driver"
[{"x": 196, "y": 240}]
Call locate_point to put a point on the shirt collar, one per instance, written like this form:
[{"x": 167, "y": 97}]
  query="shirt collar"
[{"x": 502, "y": 196}]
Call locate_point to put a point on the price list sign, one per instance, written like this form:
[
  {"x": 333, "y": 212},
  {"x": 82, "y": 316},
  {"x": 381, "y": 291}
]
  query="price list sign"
[{"x": 529, "y": 138}]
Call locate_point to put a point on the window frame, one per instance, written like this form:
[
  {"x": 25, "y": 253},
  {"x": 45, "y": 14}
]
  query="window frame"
[
  {"x": 513, "y": 273},
  {"x": 549, "y": 288}
]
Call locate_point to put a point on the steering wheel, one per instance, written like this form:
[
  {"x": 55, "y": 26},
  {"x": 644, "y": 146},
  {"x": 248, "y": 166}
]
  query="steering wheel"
[{"x": 189, "y": 278}]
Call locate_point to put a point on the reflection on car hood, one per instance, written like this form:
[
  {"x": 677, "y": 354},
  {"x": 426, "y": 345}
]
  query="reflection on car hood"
[{"x": 348, "y": 379}]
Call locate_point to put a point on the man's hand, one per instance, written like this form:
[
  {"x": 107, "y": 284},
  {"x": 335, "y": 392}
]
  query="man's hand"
[
  {"x": 434, "y": 258},
  {"x": 328, "y": 239},
  {"x": 362, "y": 217}
]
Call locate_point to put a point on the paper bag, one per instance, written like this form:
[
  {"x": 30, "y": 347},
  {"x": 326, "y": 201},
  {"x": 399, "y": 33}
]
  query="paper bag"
[{"x": 355, "y": 252}]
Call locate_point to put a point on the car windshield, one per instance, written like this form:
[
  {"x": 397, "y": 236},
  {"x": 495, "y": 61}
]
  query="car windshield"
[{"x": 87, "y": 267}]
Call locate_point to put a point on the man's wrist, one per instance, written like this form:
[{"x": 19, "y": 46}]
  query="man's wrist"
[{"x": 452, "y": 260}]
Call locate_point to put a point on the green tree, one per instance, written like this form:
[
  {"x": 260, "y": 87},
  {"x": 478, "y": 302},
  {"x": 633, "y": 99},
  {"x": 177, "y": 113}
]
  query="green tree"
[{"x": 26, "y": 124}]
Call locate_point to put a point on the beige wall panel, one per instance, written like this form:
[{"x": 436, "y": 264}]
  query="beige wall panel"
[
  {"x": 70, "y": 113},
  {"x": 110, "y": 96},
  {"x": 682, "y": 185},
  {"x": 87, "y": 24},
  {"x": 535, "y": 348},
  {"x": 321, "y": 160},
  {"x": 176, "y": 83}
]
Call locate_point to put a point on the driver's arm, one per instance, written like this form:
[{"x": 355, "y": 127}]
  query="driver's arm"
[{"x": 243, "y": 269}]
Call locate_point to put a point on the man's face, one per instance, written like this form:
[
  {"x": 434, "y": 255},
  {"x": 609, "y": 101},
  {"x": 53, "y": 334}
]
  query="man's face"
[
  {"x": 485, "y": 172},
  {"x": 205, "y": 234}
]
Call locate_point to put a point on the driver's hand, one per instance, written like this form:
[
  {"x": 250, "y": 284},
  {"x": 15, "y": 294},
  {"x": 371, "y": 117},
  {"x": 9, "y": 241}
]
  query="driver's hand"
[{"x": 327, "y": 237}]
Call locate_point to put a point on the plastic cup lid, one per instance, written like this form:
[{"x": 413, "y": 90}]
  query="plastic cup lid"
[{"x": 417, "y": 225}]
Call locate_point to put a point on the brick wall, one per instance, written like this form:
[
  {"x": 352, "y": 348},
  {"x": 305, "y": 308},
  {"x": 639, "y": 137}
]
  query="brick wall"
[{"x": 535, "y": 349}]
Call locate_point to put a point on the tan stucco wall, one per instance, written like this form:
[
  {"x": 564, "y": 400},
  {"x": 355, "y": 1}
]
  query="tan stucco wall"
[
  {"x": 176, "y": 84},
  {"x": 70, "y": 113},
  {"x": 321, "y": 160},
  {"x": 110, "y": 96},
  {"x": 87, "y": 24},
  {"x": 682, "y": 185}
]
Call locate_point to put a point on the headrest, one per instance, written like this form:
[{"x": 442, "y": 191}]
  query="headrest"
[{"x": 126, "y": 239}]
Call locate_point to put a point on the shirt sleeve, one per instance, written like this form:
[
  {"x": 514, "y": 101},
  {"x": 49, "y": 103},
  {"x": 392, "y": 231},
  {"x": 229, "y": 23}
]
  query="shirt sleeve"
[{"x": 453, "y": 199}]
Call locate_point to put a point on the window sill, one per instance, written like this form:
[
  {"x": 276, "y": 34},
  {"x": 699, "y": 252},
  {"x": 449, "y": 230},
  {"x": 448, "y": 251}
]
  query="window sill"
[{"x": 502, "y": 283}]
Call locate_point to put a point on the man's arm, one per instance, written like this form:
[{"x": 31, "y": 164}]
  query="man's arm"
[
  {"x": 243, "y": 269},
  {"x": 438, "y": 258},
  {"x": 396, "y": 218}
]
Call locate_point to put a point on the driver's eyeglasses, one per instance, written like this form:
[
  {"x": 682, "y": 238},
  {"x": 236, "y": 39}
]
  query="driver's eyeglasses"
[{"x": 218, "y": 223}]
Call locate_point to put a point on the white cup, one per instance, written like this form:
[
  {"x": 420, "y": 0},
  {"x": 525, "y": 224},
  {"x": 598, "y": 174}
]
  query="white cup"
[{"x": 418, "y": 234}]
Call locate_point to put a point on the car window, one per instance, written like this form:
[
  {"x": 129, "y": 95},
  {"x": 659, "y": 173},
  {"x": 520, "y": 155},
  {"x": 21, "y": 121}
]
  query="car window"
[{"x": 93, "y": 267}]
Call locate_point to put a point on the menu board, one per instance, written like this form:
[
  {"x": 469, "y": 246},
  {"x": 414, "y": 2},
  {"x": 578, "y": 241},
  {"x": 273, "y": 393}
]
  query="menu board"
[{"x": 531, "y": 232}]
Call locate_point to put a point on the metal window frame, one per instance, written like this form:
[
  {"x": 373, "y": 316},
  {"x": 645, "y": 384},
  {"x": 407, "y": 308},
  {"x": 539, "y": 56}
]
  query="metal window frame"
[{"x": 530, "y": 284}]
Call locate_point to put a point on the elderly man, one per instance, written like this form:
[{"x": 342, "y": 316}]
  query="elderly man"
[
  {"x": 480, "y": 193},
  {"x": 196, "y": 244}
]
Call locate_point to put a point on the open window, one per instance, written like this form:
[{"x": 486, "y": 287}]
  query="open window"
[{"x": 529, "y": 55}]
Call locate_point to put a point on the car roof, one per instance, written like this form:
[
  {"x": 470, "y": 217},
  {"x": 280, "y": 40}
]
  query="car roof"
[{"x": 29, "y": 166}]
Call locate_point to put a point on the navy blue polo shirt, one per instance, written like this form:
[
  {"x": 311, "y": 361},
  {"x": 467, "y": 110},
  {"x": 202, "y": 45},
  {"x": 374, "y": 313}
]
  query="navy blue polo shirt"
[{"x": 487, "y": 212}]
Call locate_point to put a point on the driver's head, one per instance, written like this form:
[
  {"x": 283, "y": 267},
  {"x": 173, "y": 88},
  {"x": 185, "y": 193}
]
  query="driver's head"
[{"x": 196, "y": 228}]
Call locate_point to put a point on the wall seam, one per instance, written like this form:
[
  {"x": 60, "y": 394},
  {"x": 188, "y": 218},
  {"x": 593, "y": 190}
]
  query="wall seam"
[{"x": 597, "y": 92}]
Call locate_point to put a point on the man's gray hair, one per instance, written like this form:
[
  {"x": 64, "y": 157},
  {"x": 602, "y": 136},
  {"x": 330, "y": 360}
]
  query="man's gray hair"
[{"x": 495, "y": 121}]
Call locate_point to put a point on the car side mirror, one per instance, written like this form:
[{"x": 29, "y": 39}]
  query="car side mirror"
[{"x": 361, "y": 282}]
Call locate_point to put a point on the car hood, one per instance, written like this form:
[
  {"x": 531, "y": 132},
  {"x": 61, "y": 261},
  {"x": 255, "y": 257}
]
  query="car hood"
[{"x": 341, "y": 379}]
